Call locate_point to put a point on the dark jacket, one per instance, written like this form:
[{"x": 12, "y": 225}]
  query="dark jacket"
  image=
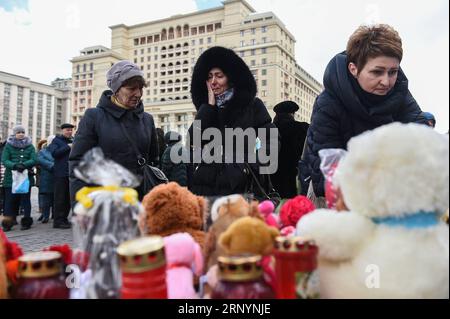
[
  {"x": 18, "y": 152},
  {"x": 292, "y": 135},
  {"x": 175, "y": 172},
  {"x": 243, "y": 111},
  {"x": 100, "y": 127},
  {"x": 60, "y": 151},
  {"x": 339, "y": 114},
  {"x": 46, "y": 165}
]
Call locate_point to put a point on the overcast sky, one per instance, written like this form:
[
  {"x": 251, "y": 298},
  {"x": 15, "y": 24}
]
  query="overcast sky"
[{"x": 39, "y": 37}]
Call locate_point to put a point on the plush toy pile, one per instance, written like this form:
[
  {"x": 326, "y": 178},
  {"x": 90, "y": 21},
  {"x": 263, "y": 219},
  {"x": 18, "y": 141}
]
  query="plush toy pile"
[
  {"x": 392, "y": 242},
  {"x": 385, "y": 238}
]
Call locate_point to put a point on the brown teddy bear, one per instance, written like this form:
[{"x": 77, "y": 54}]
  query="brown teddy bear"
[
  {"x": 247, "y": 235},
  {"x": 224, "y": 212},
  {"x": 170, "y": 209}
]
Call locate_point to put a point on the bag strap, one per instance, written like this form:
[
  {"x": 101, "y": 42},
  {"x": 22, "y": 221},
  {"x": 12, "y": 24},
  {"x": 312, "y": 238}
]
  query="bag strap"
[
  {"x": 255, "y": 179},
  {"x": 140, "y": 158}
]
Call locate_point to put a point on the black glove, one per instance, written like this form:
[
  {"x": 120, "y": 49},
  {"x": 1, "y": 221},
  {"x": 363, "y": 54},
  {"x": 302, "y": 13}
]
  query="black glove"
[{"x": 20, "y": 167}]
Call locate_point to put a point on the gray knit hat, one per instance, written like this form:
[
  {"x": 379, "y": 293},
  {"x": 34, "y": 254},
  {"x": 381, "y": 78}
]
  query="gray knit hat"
[
  {"x": 18, "y": 129},
  {"x": 120, "y": 72}
]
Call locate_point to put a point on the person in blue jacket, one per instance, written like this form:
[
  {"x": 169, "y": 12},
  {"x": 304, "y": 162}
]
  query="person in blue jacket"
[
  {"x": 46, "y": 164},
  {"x": 60, "y": 150}
]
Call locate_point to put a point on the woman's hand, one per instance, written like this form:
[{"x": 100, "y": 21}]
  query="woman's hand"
[{"x": 211, "y": 96}]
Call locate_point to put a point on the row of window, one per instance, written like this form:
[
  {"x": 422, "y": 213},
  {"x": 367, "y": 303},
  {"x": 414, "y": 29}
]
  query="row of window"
[
  {"x": 253, "y": 62},
  {"x": 178, "y": 32},
  {"x": 243, "y": 43},
  {"x": 253, "y": 31},
  {"x": 84, "y": 76},
  {"x": 84, "y": 68}
]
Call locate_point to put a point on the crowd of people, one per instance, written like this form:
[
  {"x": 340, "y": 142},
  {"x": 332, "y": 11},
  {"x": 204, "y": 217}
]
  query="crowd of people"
[{"x": 365, "y": 88}]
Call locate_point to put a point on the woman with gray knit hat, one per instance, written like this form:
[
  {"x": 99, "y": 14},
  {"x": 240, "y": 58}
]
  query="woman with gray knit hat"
[
  {"x": 19, "y": 155},
  {"x": 118, "y": 117}
]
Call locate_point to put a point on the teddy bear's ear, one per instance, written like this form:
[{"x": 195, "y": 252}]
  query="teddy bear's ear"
[
  {"x": 274, "y": 233},
  {"x": 225, "y": 241}
]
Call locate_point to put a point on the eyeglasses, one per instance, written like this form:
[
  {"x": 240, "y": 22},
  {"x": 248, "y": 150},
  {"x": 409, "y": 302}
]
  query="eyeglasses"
[{"x": 20, "y": 133}]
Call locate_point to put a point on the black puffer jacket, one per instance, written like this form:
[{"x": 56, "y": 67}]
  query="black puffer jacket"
[
  {"x": 100, "y": 127},
  {"x": 175, "y": 172},
  {"x": 339, "y": 114},
  {"x": 243, "y": 111},
  {"x": 293, "y": 135}
]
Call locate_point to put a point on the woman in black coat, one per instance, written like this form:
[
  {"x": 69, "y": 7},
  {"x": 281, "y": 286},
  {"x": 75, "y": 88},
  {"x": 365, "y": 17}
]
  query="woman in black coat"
[
  {"x": 292, "y": 138},
  {"x": 224, "y": 94},
  {"x": 102, "y": 126},
  {"x": 364, "y": 88}
]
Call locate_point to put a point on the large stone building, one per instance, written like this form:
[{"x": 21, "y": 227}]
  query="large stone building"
[
  {"x": 166, "y": 51},
  {"x": 40, "y": 108}
]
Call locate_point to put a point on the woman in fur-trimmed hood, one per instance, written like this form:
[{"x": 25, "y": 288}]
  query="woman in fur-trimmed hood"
[
  {"x": 19, "y": 155},
  {"x": 224, "y": 93}
]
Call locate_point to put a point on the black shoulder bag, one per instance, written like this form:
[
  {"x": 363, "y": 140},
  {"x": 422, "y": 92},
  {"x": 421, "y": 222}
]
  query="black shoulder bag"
[
  {"x": 256, "y": 190},
  {"x": 152, "y": 176}
]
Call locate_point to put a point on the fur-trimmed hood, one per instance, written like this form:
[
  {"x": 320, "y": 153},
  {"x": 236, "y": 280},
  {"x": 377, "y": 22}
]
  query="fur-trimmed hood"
[
  {"x": 233, "y": 66},
  {"x": 13, "y": 141}
]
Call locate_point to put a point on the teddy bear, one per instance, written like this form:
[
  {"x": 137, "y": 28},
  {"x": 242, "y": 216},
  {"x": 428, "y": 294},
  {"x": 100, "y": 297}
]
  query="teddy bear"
[
  {"x": 170, "y": 209},
  {"x": 248, "y": 235},
  {"x": 224, "y": 212},
  {"x": 3, "y": 278},
  {"x": 184, "y": 258},
  {"x": 391, "y": 243}
]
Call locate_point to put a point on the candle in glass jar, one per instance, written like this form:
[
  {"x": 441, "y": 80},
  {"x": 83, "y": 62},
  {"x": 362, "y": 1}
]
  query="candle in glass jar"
[
  {"x": 41, "y": 276},
  {"x": 296, "y": 268},
  {"x": 143, "y": 266},
  {"x": 241, "y": 277}
]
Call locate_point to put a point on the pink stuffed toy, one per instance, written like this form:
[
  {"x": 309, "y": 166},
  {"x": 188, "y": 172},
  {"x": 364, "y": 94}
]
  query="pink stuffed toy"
[
  {"x": 184, "y": 259},
  {"x": 292, "y": 211},
  {"x": 266, "y": 209}
]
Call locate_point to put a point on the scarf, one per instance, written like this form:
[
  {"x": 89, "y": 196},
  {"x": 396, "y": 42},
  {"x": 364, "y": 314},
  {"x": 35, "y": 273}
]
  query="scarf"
[
  {"x": 368, "y": 99},
  {"x": 224, "y": 98},
  {"x": 116, "y": 102},
  {"x": 420, "y": 219}
]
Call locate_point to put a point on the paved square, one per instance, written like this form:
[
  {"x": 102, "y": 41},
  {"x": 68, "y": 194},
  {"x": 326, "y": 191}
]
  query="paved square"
[{"x": 40, "y": 235}]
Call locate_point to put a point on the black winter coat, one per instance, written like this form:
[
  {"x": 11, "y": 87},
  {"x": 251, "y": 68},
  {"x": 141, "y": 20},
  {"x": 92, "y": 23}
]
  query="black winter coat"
[
  {"x": 243, "y": 111},
  {"x": 293, "y": 135},
  {"x": 60, "y": 151},
  {"x": 100, "y": 127},
  {"x": 174, "y": 172},
  {"x": 338, "y": 114}
]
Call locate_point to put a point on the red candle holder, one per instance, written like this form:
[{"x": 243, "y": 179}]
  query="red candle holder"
[
  {"x": 296, "y": 268},
  {"x": 143, "y": 265}
]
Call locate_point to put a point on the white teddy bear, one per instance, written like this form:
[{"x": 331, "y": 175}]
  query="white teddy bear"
[{"x": 392, "y": 243}]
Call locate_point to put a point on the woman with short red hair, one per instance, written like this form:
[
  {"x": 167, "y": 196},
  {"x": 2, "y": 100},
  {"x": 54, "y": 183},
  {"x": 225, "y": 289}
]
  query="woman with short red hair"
[{"x": 364, "y": 88}]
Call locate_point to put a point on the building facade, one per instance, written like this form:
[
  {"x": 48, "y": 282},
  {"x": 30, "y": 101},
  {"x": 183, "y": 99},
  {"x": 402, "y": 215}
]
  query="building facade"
[
  {"x": 40, "y": 108},
  {"x": 167, "y": 50}
]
